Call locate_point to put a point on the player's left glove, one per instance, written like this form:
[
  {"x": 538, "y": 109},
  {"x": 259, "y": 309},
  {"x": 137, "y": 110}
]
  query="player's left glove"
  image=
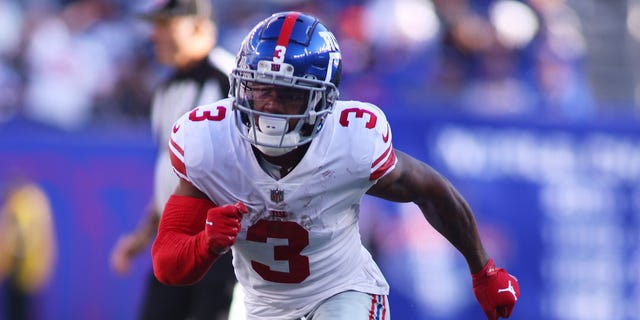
[{"x": 496, "y": 290}]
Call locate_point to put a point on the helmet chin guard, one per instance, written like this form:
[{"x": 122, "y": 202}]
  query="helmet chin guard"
[
  {"x": 273, "y": 131},
  {"x": 288, "y": 50}
]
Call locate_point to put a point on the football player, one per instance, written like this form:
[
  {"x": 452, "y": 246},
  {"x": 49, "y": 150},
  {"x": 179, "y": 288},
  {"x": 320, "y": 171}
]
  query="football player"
[{"x": 276, "y": 173}]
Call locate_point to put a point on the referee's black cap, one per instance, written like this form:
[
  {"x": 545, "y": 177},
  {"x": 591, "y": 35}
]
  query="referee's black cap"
[{"x": 173, "y": 8}]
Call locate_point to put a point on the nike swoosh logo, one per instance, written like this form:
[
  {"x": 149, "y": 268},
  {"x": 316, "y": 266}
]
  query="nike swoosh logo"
[
  {"x": 176, "y": 128},
  {"x": 209, "y": 222},
  {"x": 385, "y": 137}
]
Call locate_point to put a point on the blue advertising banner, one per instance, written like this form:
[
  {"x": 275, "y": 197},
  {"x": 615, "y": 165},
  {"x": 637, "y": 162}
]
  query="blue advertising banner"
[
  {"x": 98, "y": 183},
  {"x": 557, "y": 205}
]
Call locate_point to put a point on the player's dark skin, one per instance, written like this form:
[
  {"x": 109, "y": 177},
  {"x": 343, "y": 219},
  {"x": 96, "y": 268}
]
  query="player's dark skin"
[{"x": 410, "y": 181}]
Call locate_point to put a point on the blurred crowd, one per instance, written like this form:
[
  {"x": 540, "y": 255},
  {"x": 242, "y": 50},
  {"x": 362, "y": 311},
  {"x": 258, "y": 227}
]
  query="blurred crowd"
[{"x": 71, "y": 63}]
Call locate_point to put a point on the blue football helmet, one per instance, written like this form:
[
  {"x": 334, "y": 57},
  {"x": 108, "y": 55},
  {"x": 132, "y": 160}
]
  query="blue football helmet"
[{"x": 295, "y": 52}]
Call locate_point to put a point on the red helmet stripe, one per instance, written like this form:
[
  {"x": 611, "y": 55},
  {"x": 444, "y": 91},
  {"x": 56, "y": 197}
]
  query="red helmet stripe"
[{"x": 287, "y": 28}]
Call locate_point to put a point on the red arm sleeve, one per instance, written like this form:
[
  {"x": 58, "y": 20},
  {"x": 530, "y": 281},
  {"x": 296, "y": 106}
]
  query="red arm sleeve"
[{"x": 180, "y": 252}]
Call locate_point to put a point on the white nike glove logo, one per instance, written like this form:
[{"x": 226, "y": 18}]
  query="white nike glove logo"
[
  {"x": 509, "y": 289},
  {"x": 211, "y": 223}
]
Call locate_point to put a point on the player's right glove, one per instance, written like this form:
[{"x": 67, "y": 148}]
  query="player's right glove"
[
  {"x": 496, "y": 290},
  {"x": 223, "y": 225}
]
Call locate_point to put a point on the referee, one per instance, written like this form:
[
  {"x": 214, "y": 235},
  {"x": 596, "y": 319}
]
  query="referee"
[{"x": 184, "y": 37}]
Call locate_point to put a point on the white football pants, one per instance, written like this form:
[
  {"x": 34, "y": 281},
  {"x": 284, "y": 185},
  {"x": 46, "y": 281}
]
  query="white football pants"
[{"x": 349, "y": 305}]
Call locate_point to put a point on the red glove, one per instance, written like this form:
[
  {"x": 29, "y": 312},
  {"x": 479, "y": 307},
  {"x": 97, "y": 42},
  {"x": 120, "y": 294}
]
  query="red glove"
[
  {"x": 496, "y": 290},
  {"x": 223, "y": 225}
]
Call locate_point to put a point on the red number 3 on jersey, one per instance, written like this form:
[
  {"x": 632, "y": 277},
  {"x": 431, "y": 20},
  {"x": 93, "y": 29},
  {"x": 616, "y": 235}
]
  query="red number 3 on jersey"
[
  {"x": 298, "y": 239},
  {"x": 197, "y": 115}
]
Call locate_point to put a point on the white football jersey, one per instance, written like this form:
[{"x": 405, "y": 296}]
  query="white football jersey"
[
  {"x": 300, "y": 243},
  {"x": 182, "y": 92}
]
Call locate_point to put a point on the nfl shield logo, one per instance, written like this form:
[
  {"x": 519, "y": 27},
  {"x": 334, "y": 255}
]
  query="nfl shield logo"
[{"x": 277, "y": 195}]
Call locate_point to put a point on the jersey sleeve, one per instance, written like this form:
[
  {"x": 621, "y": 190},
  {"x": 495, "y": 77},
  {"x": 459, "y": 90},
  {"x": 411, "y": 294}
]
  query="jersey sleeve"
[
  {"x": 384, "y": 157},
  {"x": 176, "y": 148},
  {"x": 369, "y": 138},
  {"x": 193, "y": 138}
]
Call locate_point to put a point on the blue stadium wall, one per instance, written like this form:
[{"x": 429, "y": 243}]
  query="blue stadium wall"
[{"x": 558, "y": 205}]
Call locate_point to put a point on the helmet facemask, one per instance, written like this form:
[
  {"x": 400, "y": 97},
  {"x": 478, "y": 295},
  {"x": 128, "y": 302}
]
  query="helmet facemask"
[{"x": 277, "y": 134}]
